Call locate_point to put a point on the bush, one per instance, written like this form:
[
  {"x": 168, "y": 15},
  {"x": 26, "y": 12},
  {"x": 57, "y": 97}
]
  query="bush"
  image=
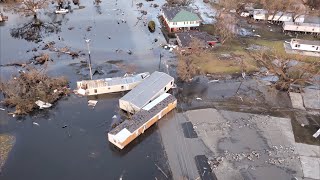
[{"x": 152, "y": 26}]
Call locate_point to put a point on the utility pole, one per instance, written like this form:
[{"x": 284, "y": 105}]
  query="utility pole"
[{"x": 88, "y": 41}]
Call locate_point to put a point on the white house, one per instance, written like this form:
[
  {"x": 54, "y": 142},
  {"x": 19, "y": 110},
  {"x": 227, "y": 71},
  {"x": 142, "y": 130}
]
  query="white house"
[
  {"x": 261, "y": 14},
  {"x": 301, "y": 27},
  {"x": 305, "y": 45},
  {"x": 152, "y": 87},
  {"x": 180, "y": 18}
]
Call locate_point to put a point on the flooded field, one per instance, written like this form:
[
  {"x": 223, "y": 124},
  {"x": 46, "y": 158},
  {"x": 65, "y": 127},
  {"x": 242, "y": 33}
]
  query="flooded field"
[{"x": 69, "y": 141}]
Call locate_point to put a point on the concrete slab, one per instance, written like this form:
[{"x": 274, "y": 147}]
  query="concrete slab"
[
  {"x": 311, "y": 167},
  {"x": 311, "y": 98},
  {"x": 296, "y": 100}
]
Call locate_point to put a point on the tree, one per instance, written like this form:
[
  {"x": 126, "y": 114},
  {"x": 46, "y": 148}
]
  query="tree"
[
  {"x": 31, "y": 7},
  {"x": 288, "y": 75},
  {"x": 187, "y": 67},
  {"x": 225, "y": 27},
  {"x": 34, "y": 30}
]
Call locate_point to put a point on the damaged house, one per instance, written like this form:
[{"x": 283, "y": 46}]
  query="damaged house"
[
  {"x": 184, "y": 40},
  {"x": 180, "y": 19}
]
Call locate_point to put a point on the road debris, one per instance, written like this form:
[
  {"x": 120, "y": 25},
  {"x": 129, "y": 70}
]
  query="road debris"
[
  {"x": 315, "y": 135},
  {"x": 34, "y": 123},
  {"x": 43, "y": 105},
  {"x": 92, "y": 103}
]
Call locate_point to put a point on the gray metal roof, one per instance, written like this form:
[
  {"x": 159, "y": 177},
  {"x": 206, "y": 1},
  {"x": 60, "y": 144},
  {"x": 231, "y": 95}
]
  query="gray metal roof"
[
  {"x": 142, "y": 94},
  {"x": 141, "y": 117}
]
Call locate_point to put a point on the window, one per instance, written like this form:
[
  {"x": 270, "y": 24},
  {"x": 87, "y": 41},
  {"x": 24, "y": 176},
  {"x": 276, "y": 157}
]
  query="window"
[
  {"x": 171, "y": 82},
  {"x": 95, "y": 91},
  {"x": 122, "y": 87},
  {"x": 165, "y": 88}
]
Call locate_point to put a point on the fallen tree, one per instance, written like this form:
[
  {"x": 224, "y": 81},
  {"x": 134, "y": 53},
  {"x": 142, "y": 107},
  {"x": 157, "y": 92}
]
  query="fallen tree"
[
  {"x": 28, "y": 87},
  {"x": 289, "y": 76}
]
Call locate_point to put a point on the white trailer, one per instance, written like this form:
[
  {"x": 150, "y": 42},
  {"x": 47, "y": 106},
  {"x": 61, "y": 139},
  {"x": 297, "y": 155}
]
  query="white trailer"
[
  {"x": 110, "y": 85},
  {"x": 152, "y": 87},
  {"x": 305, "y": 45},
  {"x": 301, "y": 27}
]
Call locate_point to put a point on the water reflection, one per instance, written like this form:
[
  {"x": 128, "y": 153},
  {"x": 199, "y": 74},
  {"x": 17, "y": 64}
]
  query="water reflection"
[{"x": 35, "y": 30}]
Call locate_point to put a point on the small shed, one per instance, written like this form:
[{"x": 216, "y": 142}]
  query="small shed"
[{"x": 152, "y": 87}]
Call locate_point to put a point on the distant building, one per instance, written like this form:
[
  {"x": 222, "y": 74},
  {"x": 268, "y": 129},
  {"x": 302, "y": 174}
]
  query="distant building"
[
  {"x": 305, "y": 45},
  {"x": 177, "y": 19},
  {"x": 302, "y": 27},
  {"x": 152, "y": 87},
  {"x": 263, "y": 15},
  {"x": 184, "y": 39}
]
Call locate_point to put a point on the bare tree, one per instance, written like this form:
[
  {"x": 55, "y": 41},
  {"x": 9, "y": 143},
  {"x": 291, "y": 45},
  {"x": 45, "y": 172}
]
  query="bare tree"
[
  {"x": 288, "y": 76},
  {"x": 187, "y": 67},
  {"x": 226, "y": 27},
  {"x": 34, "y": 30},
  {"x": 31, "y": 7}
]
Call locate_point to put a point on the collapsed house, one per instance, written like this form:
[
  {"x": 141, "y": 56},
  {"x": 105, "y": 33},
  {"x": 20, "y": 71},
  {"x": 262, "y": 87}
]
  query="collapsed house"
[
  {"x": 152, "y": 87},
  {"x": 110, "y": 85},
  {"x": 130, "y": 129},
  {"x": 185, "y": 39}
]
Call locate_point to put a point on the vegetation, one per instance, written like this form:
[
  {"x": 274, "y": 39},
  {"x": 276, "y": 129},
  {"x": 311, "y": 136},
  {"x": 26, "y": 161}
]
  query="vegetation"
[
  {"x": 24, "y": 90},
  {"x": 152, "y": 26},
  {"x": 278, "y": 64}
]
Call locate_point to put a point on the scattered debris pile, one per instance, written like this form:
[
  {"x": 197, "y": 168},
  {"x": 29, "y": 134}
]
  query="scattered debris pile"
[{"x": 24, "y": 91}]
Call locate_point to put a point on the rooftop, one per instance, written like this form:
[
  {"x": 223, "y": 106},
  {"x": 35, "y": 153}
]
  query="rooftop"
[
  {"x": 147, "y": 89},
  {"x": 185, "y": 38},
  {"x": 180, "y": 14},
  {"x": 145, "y": 114}
]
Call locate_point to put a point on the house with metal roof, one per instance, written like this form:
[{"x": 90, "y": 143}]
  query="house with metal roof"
[
  {"x": 130, "y": 129},
  {"x": 152, "y": 87},
  {"x": 180, "y": 18}
]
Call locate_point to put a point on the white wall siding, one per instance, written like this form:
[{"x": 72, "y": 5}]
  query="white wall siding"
[
  {"x": 301, "y": 27},
  {"x": 304, "y": 47}
]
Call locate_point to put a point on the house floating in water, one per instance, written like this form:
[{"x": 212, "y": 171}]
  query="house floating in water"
[
  {"x": 305, "y": 45},
  {"x": 110, "y": 85},
  {"x": 130, "y": 129},
  {"x": 152, "y": 87}
]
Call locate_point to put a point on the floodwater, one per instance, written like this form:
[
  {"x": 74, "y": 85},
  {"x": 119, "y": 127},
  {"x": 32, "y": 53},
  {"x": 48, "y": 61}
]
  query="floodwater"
[{"x": 70, "y": 141}]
